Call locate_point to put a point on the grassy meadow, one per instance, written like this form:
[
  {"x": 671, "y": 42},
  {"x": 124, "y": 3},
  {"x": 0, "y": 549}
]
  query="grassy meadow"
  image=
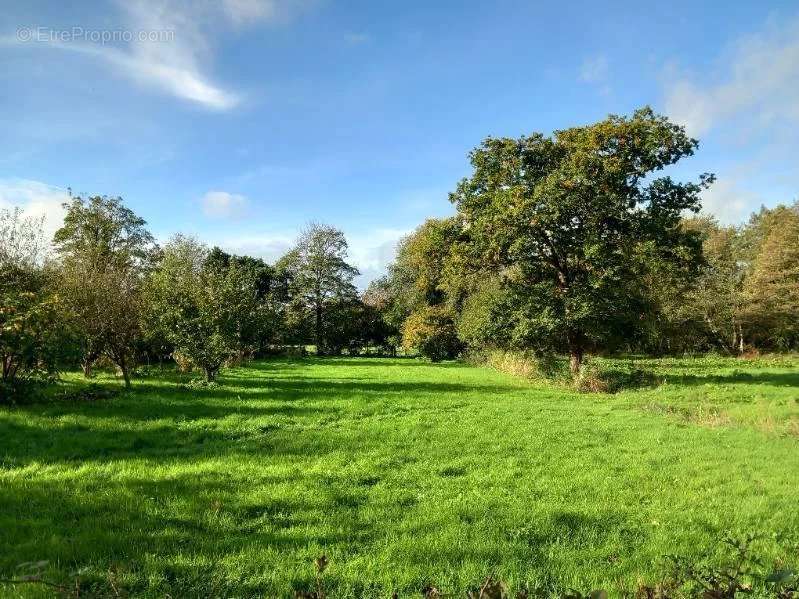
[{"x": 403, "y": 473}]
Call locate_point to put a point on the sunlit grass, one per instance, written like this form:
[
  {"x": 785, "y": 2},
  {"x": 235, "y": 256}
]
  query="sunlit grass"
[{"x": 403, "y": 473}]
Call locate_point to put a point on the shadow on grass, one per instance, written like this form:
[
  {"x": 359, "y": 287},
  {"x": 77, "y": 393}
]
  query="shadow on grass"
[
  {"x": 293, "y": 387},
  {"x": 162, "y": 417},
  {"x": 172, "y": 536},
  {"x": 148, "y": 524},
  {"x": 776, "y": 379}
]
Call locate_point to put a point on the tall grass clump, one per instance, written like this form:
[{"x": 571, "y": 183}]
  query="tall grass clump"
[{"x": 596, "y": 375}]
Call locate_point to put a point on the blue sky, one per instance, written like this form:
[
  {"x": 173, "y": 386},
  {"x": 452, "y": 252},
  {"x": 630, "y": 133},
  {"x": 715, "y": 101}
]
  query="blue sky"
[{"x": 241, "y": 120}]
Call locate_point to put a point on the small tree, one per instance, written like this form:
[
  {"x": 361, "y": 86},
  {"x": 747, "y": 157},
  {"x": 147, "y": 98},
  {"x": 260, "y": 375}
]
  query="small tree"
[{"x": 199, "y": 307}]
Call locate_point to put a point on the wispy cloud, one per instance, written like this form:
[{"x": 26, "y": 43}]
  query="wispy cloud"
[
  {"x": 178, "y": 63},
  {"x": 375, "y": 249},
  {"x": 594, "y": 71},
  {"x": 728, "y": 201},
  {"x": 758, "y": 80},
  {"x": 357, "y": 39},
  {"x": 749, "y": 99},
  {"x": 222, "y": 204},
  {"x": 245, "y": 11}
]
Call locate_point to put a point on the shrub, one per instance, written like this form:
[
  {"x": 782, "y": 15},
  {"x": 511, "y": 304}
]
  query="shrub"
[
  {"x": 20, "y": 391},
  {"x": 93, "y": 392},
  {"x": 431, "y": 332}
]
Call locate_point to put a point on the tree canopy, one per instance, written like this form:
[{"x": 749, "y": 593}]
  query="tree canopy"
[
  {"x": 319, "y": 280},
  {"x": 571, "y": 222}
]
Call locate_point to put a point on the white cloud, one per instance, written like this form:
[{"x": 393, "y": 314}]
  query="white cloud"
[
  {"x": 37, "y": 200},
  {"x": 370, "y": 252},
  {"x": 221, "y": 204},
  {"x": 244, "y": 11},
  {"x": 728, "y": 201},
  {"x": 269, "y": 246},
  {"x": 594, "y": 69},
  {"x": 182, "y": 80},
  {"x": 176, "y": 58},
  {"x": 758, "y": 82},
  {"x": 376, "y": 249}
]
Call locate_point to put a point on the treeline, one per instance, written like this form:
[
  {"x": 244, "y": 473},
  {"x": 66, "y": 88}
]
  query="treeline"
[
  {"x": 107, "y": 293},
  {"x": 571, "y": 243},
  {"x": 743, "y": 295}
]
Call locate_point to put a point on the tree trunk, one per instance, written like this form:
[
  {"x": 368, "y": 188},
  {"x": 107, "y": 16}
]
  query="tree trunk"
[
  {"x": 210, "y": 374},
  {"x": 318, "y": 329},
  {"x": 87, "y": 367},
  {"x": 576, "y": 352},
  {"x": 575, "y": 359},
  {"x": 121, "y": 361},
  {"x": 125, "y": 375}
]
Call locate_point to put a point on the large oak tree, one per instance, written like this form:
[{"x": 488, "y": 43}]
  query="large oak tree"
[{"x": 571, "y": 220}]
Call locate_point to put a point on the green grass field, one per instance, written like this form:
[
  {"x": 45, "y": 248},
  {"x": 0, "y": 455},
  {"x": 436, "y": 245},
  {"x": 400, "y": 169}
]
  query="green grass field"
[{"x": 402, "y": 472}]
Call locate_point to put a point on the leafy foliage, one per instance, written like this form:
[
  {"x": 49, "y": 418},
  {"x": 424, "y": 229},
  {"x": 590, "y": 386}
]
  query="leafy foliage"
[
  {"x": 564, "y": 220},
  {"x": 31, "y": 342},
  {"x": 431, "y": 331},
  {"x": 319, "y": 286},
  {"x": 200, "y": 307},
  {"x": 771, "y": 290}
]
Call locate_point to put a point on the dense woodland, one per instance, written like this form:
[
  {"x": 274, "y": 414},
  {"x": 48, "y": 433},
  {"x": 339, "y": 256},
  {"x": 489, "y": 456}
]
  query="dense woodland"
[{"x": 571, "y": 244}]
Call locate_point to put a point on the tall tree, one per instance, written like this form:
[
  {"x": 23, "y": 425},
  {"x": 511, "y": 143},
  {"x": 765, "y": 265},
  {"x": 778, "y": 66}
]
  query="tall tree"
[
  {"x": 105, "y": 251},
  {"x": 320, "y": 279},
  {"x": 772, "y": 287},
  {"x": 565, "y": 220},
  {"x": 103, "y": 232}
]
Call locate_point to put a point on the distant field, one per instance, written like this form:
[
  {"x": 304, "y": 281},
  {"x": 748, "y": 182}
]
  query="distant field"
[{"x": 403, "y": 473}]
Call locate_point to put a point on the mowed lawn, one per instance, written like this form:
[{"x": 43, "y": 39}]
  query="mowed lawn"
[{"x": 403, "y": 473}]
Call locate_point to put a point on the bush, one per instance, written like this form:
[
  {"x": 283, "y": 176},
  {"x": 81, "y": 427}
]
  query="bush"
[
  {"x": 91, "y": 392},
  {"x": 431, "y": 332},
  {"x": 20, "y": 391}
]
